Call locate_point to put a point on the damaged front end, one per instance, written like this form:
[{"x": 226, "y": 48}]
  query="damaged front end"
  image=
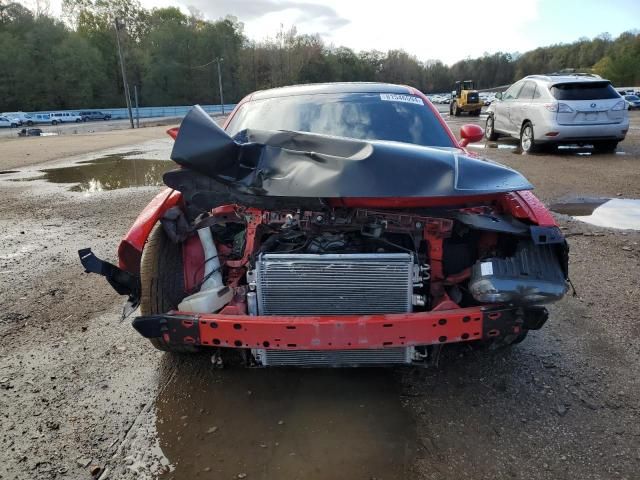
[{"x": 309, "y": 250}]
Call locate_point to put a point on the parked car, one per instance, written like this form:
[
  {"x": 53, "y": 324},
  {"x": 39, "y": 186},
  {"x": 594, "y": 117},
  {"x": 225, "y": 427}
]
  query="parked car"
[
  {"x": 41, "y": 118},
  {"x": 330, "y": 225},
  {"x": 8, "y": 122},
  {"x": 64, "y": 117},
  {"x": 94, "y": 115},
  {"x": 20, "y": 117},
  {"x": 548, "y": 110},
  {"x": 633, "y": 101}
]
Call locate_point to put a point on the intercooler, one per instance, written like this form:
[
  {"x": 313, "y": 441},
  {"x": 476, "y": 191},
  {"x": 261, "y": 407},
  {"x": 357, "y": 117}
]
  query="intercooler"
[{"x": 334, "y": 284}]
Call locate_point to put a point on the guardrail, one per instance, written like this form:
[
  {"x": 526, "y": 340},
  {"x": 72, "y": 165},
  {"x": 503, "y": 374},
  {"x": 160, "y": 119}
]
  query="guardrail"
[{"x": 146, "y": 112}]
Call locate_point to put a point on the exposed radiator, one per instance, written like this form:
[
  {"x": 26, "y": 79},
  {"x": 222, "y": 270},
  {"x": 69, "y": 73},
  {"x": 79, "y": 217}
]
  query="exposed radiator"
[
  {"x": 332, "y": 358},
  {"x": 308, "y": 284}
]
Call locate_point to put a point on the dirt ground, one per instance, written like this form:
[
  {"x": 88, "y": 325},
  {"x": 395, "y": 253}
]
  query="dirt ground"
[{"x": 82, "y": 392}]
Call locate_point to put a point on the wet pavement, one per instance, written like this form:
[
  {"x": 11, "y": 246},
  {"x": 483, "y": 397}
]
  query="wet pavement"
[
  {"x": 620, "y": 213},
  {"x": 82, "y": 390},
  {"x": 110, "y": 173},
  {"x": 267, "y": 424}
]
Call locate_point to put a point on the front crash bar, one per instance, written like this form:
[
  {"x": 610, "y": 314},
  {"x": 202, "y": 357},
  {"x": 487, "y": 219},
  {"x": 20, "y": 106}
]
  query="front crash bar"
[{"x": 334, "y": 332}]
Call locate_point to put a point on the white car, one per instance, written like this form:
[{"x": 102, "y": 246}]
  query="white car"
[
  {"x": 7, "y": 122},
  {"x": 64, "y": 117},
  {"x": 20, "y": 117},
  {"x": 549, "y": 110}
]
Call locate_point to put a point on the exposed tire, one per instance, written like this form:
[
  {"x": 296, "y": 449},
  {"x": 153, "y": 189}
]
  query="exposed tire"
[
  {"x": 455, "y": 109},
  {"x": 476, "y": 113},
  {"x": 489, "y": 130},
  {"x": 527, "y": 140},
  {"x": 605, "y": 147},
  {"x": 29, "y": 123},
  {"x": 162, "y": 282},
  {"x": 54, "y": 122}
]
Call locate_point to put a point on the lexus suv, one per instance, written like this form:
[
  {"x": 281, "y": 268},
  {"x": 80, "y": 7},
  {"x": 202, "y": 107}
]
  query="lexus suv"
[{"x": 548, "y": 110}]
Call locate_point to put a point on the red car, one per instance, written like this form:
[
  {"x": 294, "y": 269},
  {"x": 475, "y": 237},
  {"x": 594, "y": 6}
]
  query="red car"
[{"x": 336, "y": 225}]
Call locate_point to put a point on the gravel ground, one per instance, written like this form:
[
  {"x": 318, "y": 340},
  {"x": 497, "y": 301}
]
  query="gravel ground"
[{"x": 81, "y": 392}]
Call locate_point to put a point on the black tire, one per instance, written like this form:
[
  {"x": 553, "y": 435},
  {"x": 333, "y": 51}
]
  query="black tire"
[
  {"x": 455, "y": 109},
  {"x": 78, "y": 120},
  {"x": 162, "y": 283},
  {"x": 107, "y": 118},
  {"x": 29, "y": 123},
  {"x": 489, "y": 130},
  {"x": 54, "y": 122},
  {"x": 527, "y": 141},
  {"x": 605, "y": 147},
  {"x": 476, "y": 113}
]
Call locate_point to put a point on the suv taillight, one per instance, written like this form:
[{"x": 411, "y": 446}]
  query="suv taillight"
[
  {"x": 621, "y": 105},
  {"x": 558, "y": 107}
]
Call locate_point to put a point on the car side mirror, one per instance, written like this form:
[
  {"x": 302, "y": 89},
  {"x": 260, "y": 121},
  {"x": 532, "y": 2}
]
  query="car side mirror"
[
  {"x": 499, "y": 96},
  {"x": 470, "y": 133}
]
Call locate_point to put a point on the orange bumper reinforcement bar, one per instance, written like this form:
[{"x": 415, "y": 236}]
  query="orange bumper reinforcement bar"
[{"x": 333, "y": 332}]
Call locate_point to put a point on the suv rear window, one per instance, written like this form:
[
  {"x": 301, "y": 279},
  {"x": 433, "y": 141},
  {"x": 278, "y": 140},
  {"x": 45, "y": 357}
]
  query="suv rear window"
[{"x": 584, "y": 91}]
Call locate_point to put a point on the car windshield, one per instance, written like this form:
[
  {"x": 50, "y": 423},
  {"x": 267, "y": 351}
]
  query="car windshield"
[
  {"x": 584, "y": 91},
  {"x": 632, "y": 97},
  {"x": 364, "y": 116}
]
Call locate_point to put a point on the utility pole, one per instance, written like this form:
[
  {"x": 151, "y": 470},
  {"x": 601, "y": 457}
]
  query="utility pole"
[
  {"x": 135, "y": 92},
  {"x": 218, "y": 60},
  {"x": 124, "y": 74}
]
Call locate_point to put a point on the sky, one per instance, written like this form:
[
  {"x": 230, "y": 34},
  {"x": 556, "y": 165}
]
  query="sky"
[{"x": 444, "y": 30}]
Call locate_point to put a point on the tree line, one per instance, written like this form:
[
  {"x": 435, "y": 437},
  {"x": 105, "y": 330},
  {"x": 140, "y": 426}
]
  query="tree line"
[{"x": 72, "y": 62}]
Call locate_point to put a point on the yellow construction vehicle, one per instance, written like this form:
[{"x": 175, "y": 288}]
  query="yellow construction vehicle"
[{"x": 465, "y": 99}]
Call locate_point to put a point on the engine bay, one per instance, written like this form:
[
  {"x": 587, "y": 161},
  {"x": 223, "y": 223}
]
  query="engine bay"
[{"x": 364, "y": 261}]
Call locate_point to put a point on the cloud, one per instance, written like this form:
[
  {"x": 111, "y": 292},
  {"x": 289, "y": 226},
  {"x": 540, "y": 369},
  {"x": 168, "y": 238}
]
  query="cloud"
[{"x": 325, "y": 17}]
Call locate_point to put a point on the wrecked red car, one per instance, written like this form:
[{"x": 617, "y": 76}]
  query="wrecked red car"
[{"x": 336, "y": 225}]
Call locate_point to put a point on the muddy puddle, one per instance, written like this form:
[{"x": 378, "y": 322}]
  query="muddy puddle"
[
  {"x": 618, "y": 213},
  {"x": 110, "y": 173},
  {"x": 268, "y": 424}
]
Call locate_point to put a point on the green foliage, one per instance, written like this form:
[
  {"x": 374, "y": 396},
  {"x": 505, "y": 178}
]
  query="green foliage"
[{"x": 46, "y": 63}]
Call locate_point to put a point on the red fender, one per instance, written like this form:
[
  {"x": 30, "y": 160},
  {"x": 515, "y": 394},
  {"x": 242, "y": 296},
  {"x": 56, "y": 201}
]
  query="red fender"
[{"x": 130, "y": 248}]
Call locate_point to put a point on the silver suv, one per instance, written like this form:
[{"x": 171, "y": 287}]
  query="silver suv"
[{"x": 548, "y": 110}]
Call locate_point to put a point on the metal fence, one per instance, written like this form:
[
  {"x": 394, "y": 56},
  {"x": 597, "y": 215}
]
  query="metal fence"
[{"x": 148, "y": 112}]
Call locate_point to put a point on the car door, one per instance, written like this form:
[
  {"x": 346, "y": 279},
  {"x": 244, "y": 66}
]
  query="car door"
[
  {"x": 502, "y": 110},
  {"x": 520, "y": 106}
]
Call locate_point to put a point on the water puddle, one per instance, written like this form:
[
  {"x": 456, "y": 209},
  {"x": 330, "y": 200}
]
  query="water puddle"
[
  {"x": 110, "y": 173},
  {"x": 610, "y": 213},
  {"x": 268, "y": 424}
]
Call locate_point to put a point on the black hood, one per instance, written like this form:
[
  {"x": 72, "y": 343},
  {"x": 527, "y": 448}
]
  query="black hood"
[{"x": 305, "y": 165}]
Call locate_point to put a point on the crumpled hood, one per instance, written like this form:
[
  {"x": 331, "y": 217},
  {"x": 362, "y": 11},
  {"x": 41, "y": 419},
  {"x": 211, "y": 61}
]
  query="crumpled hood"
[{"x": 305, "y": 165}]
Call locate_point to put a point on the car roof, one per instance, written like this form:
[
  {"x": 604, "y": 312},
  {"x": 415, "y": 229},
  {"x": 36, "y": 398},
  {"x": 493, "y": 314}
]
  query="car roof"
[
  {"x": 568, "y": 78},
  {"x": 338, "y": 87}
]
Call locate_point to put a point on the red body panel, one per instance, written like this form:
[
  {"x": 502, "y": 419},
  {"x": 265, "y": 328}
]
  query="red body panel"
[
  {"x": 130, "y": 248},
  {"x": 333, "y": 332}
]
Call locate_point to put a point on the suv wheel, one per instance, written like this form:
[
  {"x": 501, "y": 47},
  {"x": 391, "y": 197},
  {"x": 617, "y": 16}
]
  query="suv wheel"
[
  {"x": 527, "y": 141},
  {"x": 489, "y": 131},
  {"x": 605, "y": 147}
]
